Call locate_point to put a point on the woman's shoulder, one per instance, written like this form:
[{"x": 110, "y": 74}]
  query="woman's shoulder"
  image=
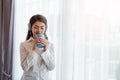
[{"x": 24, "y": 42}]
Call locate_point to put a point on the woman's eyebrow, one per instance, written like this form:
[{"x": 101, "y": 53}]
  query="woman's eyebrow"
[
  {"x": 37, "y": 25},
  {"x": 41, "y": 26}
]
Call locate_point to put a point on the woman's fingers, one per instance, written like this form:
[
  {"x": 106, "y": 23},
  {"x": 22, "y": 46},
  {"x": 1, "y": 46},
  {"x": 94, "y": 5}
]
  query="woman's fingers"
[
  {"x": 37, "y": 41},
  {"x": 44, "y": 41}
]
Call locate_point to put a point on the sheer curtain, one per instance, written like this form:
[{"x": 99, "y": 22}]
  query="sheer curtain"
[
  {"x": 86, "y": 35},
  {"x": 23, "y": 11}
]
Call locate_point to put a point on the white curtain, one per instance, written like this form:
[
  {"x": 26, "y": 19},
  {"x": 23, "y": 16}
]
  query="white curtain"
[{"x": 86, "y": 34}]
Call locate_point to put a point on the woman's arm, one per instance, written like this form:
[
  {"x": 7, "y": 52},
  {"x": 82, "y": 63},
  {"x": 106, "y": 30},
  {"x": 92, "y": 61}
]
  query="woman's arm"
[
  {"x": 49, "y": 57},
  {"x": 26, "y": 58}
]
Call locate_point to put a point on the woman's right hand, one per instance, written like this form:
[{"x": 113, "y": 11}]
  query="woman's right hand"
[{"x": 36, "y": 41}]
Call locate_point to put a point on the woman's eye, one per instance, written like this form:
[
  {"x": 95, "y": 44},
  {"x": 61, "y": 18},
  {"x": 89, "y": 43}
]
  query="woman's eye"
[
  {"x": 42, "y": 28},
  {"x": 35, "y": 27}
]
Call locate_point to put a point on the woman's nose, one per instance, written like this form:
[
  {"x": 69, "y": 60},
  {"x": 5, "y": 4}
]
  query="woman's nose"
[{"x": 39, "y": 31}]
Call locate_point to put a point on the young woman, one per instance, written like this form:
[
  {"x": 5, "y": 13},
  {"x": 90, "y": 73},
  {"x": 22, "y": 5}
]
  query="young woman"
[{"x": 37, "y": 61}]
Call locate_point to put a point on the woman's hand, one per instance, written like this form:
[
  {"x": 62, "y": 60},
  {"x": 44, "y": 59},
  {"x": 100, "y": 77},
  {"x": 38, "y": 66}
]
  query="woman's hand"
[
  {"x": 45, "y": 42},
  {"x": 41, "y": 40}
]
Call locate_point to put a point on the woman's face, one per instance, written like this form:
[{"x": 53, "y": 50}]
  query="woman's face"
[{"x": 38, "y": 28}]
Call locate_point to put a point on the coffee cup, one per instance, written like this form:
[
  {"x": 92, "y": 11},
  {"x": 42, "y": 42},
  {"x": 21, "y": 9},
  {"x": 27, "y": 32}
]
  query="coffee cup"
[{"x": 40, "y": 45}]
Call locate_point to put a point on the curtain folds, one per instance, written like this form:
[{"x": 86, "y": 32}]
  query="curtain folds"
[
  {"x": 7, "y": 26},
  {"x": 0, "y": 38}
]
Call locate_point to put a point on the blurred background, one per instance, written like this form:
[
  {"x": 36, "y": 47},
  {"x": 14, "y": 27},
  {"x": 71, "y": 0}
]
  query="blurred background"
[{"x": 86, "y": 35}]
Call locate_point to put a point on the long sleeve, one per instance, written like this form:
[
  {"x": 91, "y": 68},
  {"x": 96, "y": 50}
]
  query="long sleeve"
[
  {"x": 36, "y": 63},
  {"x": 49, "y": 57},
  {"x": 26, "y": 58}
]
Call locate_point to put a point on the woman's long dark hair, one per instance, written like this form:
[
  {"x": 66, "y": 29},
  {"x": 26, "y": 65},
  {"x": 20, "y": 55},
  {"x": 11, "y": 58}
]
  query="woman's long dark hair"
[{"x": 33, "y": 19}]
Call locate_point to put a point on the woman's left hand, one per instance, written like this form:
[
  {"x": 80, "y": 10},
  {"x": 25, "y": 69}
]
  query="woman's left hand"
[{"x": 45, "y": 42}]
